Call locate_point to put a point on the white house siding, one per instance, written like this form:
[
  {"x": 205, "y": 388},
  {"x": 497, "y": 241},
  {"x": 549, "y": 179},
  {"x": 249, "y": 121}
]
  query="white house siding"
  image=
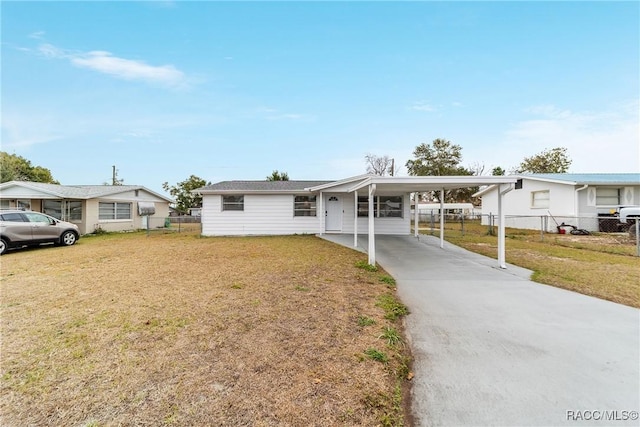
[
  {"x": 263, "y": 214},
  {"x": 568, "y": 203},
  {"x": 520, "y": 213},
  {"x": 382, "y": 225}
]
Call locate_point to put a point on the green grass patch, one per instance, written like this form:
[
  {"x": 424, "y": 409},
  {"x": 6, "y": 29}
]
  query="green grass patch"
[
  {"x": 365, "y": 321},
  {"x": 366, "y": 266},
  {"x": 376, "y": 355},
  {"x": 393, "y": 308},
  {"x": 391, "y": 336},
  {"x": 388, "y": 280}
]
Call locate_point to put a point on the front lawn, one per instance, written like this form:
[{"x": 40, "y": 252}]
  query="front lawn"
[{"x": 175, "y": 329}]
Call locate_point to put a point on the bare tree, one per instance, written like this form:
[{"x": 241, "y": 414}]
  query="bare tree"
[{"x": 380, "y": 165}]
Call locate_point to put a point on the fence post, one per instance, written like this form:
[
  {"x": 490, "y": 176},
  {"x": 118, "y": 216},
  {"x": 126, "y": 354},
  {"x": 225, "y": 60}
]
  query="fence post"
[
  {"x": 432, "y": 221},
  {"x": 541, "y": 228},
  {"x": 637, "y": 236},
  {"x": 462, "y": 216}
]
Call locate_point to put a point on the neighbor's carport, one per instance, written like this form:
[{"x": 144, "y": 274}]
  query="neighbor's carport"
[{"x": 421, "y": 184}]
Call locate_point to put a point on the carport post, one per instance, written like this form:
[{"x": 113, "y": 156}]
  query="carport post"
[
  {"x": 322, "y": 215},
  {"x": 415, "y": 213},
  {"x": 372, "y": 231},
  {"x": 442, "y": 219},
  {"x": 355, "y": 220},
  {"x": 501, "y": 228}
]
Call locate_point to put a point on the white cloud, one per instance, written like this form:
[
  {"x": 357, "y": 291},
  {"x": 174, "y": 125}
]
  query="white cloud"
[
  {"x": 601, "y": 141},
  {"x": 126, "y": 69},
  {"x": 38, "y": 35},
  {"x": 423, "y": 106}
]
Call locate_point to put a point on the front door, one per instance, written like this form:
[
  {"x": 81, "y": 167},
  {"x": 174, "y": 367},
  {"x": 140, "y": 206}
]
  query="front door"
[{"x": 334, "y": 214}]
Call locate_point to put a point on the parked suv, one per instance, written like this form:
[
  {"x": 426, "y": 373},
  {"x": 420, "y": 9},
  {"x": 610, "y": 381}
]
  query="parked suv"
[{"x": 25, "y": 228}]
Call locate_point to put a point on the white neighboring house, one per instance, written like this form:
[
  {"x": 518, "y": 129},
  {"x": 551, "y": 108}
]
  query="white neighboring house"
[
  {"x": 588, "y": 201},
  {"x": 108, "y": 207}
]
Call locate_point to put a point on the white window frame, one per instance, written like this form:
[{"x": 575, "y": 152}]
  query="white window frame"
[
  {"x": 609, "y": 199},
  {"x": 305, "y": 206},
  {"x": 118, "y": 207},
  {"x": 538, "y": 202},
  {"x": 379, "y": 206},
  {"x": 234, "y": 203}
]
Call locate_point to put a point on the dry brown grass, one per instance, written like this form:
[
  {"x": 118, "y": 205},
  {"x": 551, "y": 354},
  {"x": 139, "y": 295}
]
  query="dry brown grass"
[
  {"x": 601, "y": 265},
  {"x": 173, "y": 329}
]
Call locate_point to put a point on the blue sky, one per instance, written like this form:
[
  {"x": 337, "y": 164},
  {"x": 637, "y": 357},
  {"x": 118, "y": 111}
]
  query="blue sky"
[{"x": 234, "y": 90}]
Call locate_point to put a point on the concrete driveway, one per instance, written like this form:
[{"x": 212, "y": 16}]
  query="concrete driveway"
[{"x": 491, "y": 347}]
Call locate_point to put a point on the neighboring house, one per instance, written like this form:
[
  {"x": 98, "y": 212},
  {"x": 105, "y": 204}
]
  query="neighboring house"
[
  {"x": 589, "y": 201},
  {"x": 91, "y": 207}
]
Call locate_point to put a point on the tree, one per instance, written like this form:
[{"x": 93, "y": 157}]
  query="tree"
[
  {"x": 497, "y": 171},
  {"x": 278, "y": 176},
  {"x": 17, "y": 168},
  {"x": 183, "y": 193},
  {"x": 380, "y": 165},
  {"x": 555, "y": 160},
  {"x": 442, "y": 158}
]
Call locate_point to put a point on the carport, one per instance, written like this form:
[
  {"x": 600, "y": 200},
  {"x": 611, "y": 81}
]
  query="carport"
[{"x": 420, "y": 184}]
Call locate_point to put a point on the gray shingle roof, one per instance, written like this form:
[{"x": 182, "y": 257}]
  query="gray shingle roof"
[
  {"x": 259, "y": 186},
  {"x": 81, "y": 191}
]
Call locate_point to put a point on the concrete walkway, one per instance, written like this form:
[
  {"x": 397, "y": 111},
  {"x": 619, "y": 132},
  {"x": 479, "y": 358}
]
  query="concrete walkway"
[{"x": 491, "y": 347}]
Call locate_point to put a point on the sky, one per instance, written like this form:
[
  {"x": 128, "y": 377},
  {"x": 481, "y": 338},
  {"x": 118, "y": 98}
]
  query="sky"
[{"x": 234, "y": 90}]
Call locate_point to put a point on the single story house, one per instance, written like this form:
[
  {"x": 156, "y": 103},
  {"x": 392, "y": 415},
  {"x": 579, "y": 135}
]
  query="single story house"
[
  {"x": 589, "y": 201},
  {"x": 365, "y": 204},
  {"x": 91, "y": 207}
]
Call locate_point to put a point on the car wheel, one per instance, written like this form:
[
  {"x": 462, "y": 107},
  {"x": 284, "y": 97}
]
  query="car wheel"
[
  {"x": 3, "y": 246},
  {"x": 68, "y": 238}
]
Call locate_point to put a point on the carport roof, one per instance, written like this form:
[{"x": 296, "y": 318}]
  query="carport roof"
[{"x": 411, "y": 184}]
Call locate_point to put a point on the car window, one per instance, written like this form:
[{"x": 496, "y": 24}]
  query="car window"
[
  {"x": 12, "y": 217},
  {"x": 36, "y": 217}
]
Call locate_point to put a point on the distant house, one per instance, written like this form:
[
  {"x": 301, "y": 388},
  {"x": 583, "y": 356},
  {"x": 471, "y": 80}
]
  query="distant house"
[
  {"x": 91, "y": 207},
  {"x": 589, "y": 201}
]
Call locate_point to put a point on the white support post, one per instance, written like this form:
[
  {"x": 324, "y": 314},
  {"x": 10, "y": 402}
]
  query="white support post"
[
  {"x": 442, "y": 219},
  {"x": 501, "y": 251},
  {"x": 372, "y": 231},
  {"x": 502, "y": 258},
  {"x": 321, "y": 213},
  {"x": 355, "y": 220},
  {"x": 415, "y": 213}
]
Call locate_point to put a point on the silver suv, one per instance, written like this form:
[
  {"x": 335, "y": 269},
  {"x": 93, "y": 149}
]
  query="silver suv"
[{"x": 25, "y": 228}]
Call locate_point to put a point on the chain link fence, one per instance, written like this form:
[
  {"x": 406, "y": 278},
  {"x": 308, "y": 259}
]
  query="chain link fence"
[{"x": 542, "y": 226}]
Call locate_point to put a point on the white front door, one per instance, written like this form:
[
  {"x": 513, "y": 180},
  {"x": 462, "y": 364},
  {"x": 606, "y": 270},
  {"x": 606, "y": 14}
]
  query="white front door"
[{"x": 334, "y": 214}]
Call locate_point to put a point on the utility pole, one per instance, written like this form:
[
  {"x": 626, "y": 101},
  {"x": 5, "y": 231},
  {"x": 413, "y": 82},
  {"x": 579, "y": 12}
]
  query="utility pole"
[
  {"x": 113, "y": 175},
  {"x": 393, "y": 166}
]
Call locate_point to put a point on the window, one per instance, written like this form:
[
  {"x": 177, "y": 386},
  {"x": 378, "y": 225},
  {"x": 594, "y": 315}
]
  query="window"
[
  {"x": 74, "y": 210},
  {"x": 66, "y": 211},
  {"x": 5, "y": 204},
  {"x": 112, "y": 210},
  {"x": 232, "y": 203},
  {"x": 518, "y": 185},
  {"x": 304, "y": 206},
  {"x": 607, "y": 196},
  {"x": 25, "y": 205},
  {"x": 53, "y": 208},
  {"x": 540, "y": 199},
  {"x": 383, "y": 206}
]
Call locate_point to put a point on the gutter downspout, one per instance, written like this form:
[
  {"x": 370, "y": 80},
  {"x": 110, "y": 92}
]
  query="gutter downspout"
[{"x": 576, "y": 205}]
